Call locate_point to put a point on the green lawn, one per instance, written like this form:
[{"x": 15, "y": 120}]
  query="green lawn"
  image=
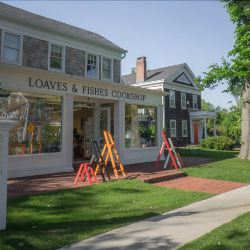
[
  {"x": 230, "y": 236},
  {"x": 52, "y": 220},
  {"x": 225, "y": 165}
]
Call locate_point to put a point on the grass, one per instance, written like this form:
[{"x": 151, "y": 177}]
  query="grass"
[
  {"x": 224, "y": 166},
  {"x": 52, "y": 220},
  {"x": 230, "y": 236}
]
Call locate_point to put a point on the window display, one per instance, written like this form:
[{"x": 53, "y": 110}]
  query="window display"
[
  {"x": 140, "y": 126},
  {"x": 39, "y": 122}
]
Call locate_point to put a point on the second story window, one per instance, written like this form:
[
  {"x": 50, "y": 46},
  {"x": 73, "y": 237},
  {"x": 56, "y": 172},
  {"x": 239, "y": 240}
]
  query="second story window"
[
  {"x": 11, "y": 48},
  {"x": 106, "y": 68},
  {"x": 172, "y": 128},
  {"x": 172, "y": 99},
  {"x": 56, "y": 57},
  {"x": 92, "y": 65},
  {"x": 183, "y": 101},
  {"x": 195, "y": 102}
]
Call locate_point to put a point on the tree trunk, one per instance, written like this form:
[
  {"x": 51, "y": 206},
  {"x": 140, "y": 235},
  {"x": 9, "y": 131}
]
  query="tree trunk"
[{"x": 245, "y": 124}]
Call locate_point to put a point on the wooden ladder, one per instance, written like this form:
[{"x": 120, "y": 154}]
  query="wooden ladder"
[{"x": 109, "y": 152}]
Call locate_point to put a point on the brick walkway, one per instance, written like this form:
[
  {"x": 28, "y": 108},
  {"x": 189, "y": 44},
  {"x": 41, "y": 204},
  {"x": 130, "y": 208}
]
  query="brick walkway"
[
  {"x": 144, "y": 171},
  {"x": 201, "y": 185}
]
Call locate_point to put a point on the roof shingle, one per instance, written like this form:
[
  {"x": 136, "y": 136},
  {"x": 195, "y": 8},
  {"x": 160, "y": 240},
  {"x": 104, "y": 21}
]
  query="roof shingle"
[
  {"x": 152, "y": 75},
  {"x": 33, "y": 20}
]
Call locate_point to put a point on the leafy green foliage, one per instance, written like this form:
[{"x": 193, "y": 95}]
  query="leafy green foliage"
[
  {"x": 234, "y": 70},
  {"x": 228, "y": 122},
  {"x": 218, "y": 143}
]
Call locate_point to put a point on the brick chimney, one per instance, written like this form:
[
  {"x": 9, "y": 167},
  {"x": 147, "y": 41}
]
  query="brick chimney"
[{"x": 141, "y": 69}]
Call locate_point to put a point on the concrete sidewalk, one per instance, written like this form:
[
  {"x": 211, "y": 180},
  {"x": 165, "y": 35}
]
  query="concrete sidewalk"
[{"x": 175, "y": 228}]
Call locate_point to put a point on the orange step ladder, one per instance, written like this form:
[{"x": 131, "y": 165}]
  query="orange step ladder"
[{"x": 109, "y": 152}]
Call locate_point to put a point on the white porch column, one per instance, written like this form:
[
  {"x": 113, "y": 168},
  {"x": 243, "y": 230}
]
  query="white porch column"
[
  {"x": 5, "y": 126},
  {"x": 97, "y": 122},
  {"x": 160, "y": 124},
  {"x": 119, "y": 127},
  {"x": 67, "y": 128},
  {"x": 205, "y": 128},
  {"x": 214, "y": 128}
]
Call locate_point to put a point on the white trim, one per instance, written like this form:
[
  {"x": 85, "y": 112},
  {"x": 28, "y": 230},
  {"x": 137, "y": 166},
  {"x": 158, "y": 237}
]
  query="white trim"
[
  {"x": 63, "y": 58},
  {"x": 79, "y": 79},
  {"x": 20, "y": 48},
  {"x": 171, "y": 135},
  {"x": 182, "y": 128},
  {"x": 181, "y": 88},
  {"x": 112, "y": 70},
  {"x": 185, "y": 101},
  {"x": 97, "y": 66},
  {"x": 172, "y": 106}
]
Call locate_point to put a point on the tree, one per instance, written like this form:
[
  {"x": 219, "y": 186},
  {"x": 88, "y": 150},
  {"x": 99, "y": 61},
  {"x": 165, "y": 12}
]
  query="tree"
[{"x": 235, "y": 69}]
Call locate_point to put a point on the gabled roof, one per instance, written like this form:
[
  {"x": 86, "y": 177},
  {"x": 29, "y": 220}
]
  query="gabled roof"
[
  {"x": 14, "y": 14},
  {"x": 153, "y": 75}
]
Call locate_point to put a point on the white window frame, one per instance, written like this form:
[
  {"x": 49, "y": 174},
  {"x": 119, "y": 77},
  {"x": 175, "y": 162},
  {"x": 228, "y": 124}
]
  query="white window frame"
[
  {"x": 183, "y": 102},
  {"x": 62, "y": 70},
  {"x": 171, "y": 106},
  {"x": 184, "y": 128},
  {"x": 20, "y": 49},
  {"x": 97, "y": 65},
  {"x": 172, "y": 128},
  {"x": 104, "y": 79},
  {"x": 195, "y": 97}
]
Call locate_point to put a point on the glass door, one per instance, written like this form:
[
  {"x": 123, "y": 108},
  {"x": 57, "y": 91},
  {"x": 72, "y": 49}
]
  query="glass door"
[{"x": 105, "y": 115}]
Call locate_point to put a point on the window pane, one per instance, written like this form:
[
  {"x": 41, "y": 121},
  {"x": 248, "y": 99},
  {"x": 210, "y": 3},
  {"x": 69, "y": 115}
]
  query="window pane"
[
  {"x": 55, "y": 63},
  {"x": 11, "y": 41},
  {"x": 140, "y": 126},
  {"x": 11, "y": 55},
  {"x": 56, "y": 56},
  {"x": 92, "y": 66},
  {"x": 39, "y": 123},
  {"x": 106, "y": 68}
]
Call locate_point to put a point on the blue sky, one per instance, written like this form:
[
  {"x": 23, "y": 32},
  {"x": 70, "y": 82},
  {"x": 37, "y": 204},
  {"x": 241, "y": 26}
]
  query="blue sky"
[{"x": 166, "y": 32}]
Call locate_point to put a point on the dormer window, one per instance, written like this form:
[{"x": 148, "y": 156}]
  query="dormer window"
[
  {"x": 92, "y": 69},
  {"x": 11, "y": 48},
  {"x": 56, "y": 57},
  {"x": 106, "y": 69}
]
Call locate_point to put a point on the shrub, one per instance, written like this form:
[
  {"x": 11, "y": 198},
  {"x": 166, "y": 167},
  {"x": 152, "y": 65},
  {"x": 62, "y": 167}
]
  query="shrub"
[{"x": 220, "y": 143}]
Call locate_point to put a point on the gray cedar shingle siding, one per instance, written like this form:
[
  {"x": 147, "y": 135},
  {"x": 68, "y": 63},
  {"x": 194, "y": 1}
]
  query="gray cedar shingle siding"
[
  {"x": 35, "y": 52},
  {"x": 0, "y": 42},
  {"x": 75, "y": 61},
  {"x": 116, "y": 71}
]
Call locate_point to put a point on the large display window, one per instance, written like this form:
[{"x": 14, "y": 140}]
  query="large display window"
[
  {"x": 39, "y": 122},
  {"x": 140, "y": 126}
]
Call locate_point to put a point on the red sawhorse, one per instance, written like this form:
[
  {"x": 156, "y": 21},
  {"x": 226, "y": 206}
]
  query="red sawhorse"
[{"x": 85, "y": 171}]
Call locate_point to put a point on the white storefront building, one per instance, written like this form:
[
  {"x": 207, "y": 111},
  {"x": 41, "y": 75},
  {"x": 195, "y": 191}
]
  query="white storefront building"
[{"x": 58, "y": 112}]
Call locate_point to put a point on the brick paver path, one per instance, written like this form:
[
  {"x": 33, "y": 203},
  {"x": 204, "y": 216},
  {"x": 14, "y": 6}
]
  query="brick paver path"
[{"x": 201, "y": 185}]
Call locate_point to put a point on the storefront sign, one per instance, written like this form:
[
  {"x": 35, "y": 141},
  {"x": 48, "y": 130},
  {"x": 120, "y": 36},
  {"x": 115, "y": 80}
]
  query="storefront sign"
[{"x": 84, "y": 90}]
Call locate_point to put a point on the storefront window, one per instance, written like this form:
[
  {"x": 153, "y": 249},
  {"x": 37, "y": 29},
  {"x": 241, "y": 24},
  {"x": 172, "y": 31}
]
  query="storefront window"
[
  {"x": 140, "y": 126},
  {"x": 39, "y": 123}
]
